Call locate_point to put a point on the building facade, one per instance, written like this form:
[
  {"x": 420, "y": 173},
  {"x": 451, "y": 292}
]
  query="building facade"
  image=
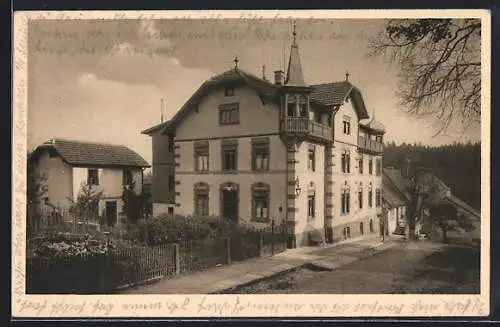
[
  {"x": 69, "y": 165},
  {"x": 256, "y": 151}
]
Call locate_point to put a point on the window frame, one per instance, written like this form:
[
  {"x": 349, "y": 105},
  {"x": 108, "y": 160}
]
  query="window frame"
[
  {"x": 228, "y": 109},
  {"x": 260, "y": 193},
  {"x": 258, "y": 145},
  {"x": 229, "y": 92},
  {"x": 360, "y": 198},
  {"x": 311, "y": 204},
  {"x": 201, "y": 191},
  {"x": 311, "y": 157},
  {"x": 226, "y": 147},
  {"x": 127, "y": 177},
  {"x": 201, "y": 150},
  {"x": 345, "y": 199},
  {"x": 93, "y": 180}
]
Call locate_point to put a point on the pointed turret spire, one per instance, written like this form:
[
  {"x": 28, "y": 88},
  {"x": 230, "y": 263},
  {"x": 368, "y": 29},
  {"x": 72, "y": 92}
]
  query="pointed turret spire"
[
  {"x": 236, "y": 62},
  {"x": 294, "y": 74}
]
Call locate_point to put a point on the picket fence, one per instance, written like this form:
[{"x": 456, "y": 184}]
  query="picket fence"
[{"x": 136, "y": 265}]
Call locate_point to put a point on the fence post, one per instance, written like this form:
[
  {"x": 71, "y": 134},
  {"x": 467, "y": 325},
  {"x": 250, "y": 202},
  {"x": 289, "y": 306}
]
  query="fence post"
[
  {"x": 261, "y": 244},
  {"x": 177, "y": 258},
  {"x": 227, "y": 242}
]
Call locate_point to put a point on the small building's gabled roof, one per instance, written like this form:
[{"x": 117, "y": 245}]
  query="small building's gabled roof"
[
  {"x": 393, "y": 176},
  {"x": 464, "y": 206},
  {"x": 392, "y": 196},
  {"x": 373, "y": 125},
  {"x": 82, "y": 153}
]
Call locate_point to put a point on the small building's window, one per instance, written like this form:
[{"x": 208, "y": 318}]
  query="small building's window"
[
  {"x": 201, "y": 199},
  {"x": 229, "y": 92},
  {"x": 311, "y": 204},
  {"x": 127, "y": 177},
  {"x": 346, "y": 121},
  {"x": 346, "y": 161},
  {"x": 311, "y": 162},
  {"x": 370, "y": 166},
  {"x": 378, "y": 166},
  {"x": 260, "y": 154},
  {"x": 377, "y": 198},
  {"x": 93, "y": 176},
  {"x": 229, "y": 114},
  {"x": 260, "y": 202},
  {"x": 229, "y": 155},
  {"x": 201, "y": 156},
  {"x": 345, "y": 199}
]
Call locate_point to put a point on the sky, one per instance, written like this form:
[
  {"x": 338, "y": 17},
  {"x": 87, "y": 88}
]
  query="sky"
[{"x": 103, "y": 80}]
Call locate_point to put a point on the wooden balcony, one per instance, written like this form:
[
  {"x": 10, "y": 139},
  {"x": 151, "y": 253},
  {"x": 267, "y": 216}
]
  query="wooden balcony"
[
  {"x": 306, "y": 127},
  {"x": 370, "y": 146}
]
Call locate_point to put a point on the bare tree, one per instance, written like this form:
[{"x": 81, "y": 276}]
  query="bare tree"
[{"x": 440, "y": 67}]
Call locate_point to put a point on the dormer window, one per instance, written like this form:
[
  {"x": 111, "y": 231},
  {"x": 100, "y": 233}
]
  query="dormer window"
[{"x": 229, "y": 92}]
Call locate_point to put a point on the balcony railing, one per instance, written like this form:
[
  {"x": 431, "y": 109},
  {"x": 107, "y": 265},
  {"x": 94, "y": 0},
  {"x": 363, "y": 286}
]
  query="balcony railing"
[
  {"x": 368, "y": 145},
  {"x": 302, "y": 125}
]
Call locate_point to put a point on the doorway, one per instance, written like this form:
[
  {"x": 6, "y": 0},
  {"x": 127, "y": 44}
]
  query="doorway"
[
  {"x": 111, "y": 213},
  {"x": 229, "y": 201}
]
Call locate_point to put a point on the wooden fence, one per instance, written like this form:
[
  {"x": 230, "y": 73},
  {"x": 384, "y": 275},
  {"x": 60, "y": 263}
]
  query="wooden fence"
[{"x": 135, "y": 265}]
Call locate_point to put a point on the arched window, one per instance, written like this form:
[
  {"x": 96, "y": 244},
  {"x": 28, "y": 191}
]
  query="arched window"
[
  {"x": 260, "y": 202},
  {"x": 201, "y": 199}
]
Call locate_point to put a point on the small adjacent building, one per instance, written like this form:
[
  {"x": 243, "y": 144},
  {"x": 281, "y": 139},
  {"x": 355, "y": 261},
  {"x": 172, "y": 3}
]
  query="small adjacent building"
[
  {"x": 70, "y": 164},
  {"x": 396, "y": 199}
]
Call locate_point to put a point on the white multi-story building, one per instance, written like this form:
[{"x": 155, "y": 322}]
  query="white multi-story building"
[{"x": 258, "y": 151}]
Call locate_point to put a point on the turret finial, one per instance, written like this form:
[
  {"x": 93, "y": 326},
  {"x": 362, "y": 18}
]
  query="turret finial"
[
  {"x": 347, "y": 76},
  {"x": 236, "y": 62}
]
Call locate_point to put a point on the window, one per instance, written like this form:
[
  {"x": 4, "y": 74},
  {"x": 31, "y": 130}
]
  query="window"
[
  {"x": 93, "y": 177},
  {"x": 260, "y": 202},
  {"x": 370, "y": 198},
  {"x": 361, "y": 228},
  {"x": 347, "y": 232},
  {"x": 171, "y": 183},
  {"x": 371, "y": 226},
  {"x": 360, "y": 166},
  {"x": 201, "y": 198},
  {"x": 347, "y": 125},
  {"x": 171, "y": 143},
  {"x": 170, "y": 211},
  {"x": 311, "y": 162},
  {"x": 229, "y": 92},
  {"x": 378, "y": 166},
  {"x": 345, "y": 201},
  {"x": 291, "y": 106},
  {"x": 311, "y": 204},
  {"x": 201, "y": 156},
  {"x": 346, "y": 161},
  {"x": 229, "y": 114},
  {"x": 370, "y": 166},
  {"x": 360, "y": 198},
  {"x": 229, "y": 155},
  {"x": 377, "y": 198},
  {"x": 260, "y": 154},
  {"x": 127, "y": 177},
  {"x": 303, "y": 107}
]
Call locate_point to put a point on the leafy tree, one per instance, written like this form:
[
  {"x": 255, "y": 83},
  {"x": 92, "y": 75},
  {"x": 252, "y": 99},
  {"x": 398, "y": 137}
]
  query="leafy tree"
[
  {"x": 446, "y": 218},
  {"x": 86, "y": 206},
  {"x": 440, "y": 67},
  {"x": 134, "y": 205},
  {"x": 36, "y": 188}
]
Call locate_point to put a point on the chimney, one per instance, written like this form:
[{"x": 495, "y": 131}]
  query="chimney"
[{"x": 278, "y": 77}]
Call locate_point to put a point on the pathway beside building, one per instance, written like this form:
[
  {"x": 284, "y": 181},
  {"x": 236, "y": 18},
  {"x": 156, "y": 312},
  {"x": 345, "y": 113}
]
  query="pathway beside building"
[{"x": 223, "y": 278}]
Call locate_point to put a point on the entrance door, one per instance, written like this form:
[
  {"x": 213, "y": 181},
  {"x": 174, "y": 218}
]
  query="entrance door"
[
  {"x": 230, "y": 205},
  {"x": 111, "y": 213}
]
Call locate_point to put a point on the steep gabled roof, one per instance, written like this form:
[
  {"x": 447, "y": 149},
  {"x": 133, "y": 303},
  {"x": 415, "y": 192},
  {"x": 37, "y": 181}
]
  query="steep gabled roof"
[
  {"x": 81, "y": 153},
  {"x": 327, "y": 95},
  {"x": 392, "y": 176},
  {"x": 336, "y": 93}
]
